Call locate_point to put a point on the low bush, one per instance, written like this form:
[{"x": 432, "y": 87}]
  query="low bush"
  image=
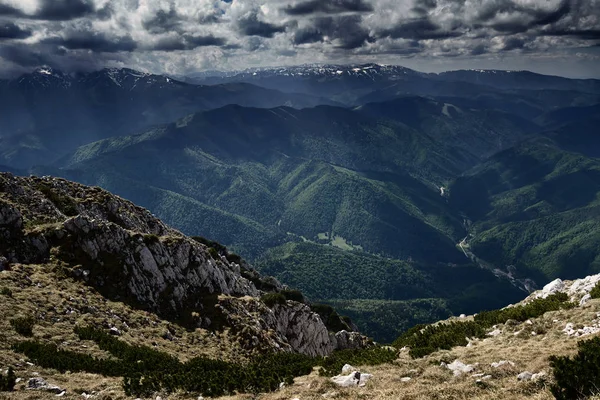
[
  {"x": 146, "y": 371},
  {"x": 595, "y": 292},
  {"x": 294, "y": 295},
  {"x": 577, "y": 377},
  {"x": 6, "y": 292},
  {"x": 426, "y": 339},
  {"x": 270, "y": 299},
  {"x": 332, "y": 320},
  {"x": 151, "y": 238},
  {"x": 65, "y": 204},
  {"x": 23, "y": 325},
  {"x": 522, "y": 313},
  {"x": 7, "y": 383}
]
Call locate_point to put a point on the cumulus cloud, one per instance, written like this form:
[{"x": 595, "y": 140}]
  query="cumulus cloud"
[
  {"x": 8, "y": 30},
  {"x": 327, "y": 7},
  {"x": 179, "y": 36}
]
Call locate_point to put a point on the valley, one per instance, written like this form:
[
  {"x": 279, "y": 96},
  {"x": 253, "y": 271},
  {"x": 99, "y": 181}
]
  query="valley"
[{"x": 329, "y": 177}]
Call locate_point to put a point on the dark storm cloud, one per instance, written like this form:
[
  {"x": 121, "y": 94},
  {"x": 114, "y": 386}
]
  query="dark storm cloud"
[
  {"x": 59, "y": 10},
  {"x": 423, "y": 7},
  {"x": 521, "y": 18},
  {"x": 11, "y": 31},
  {"x": 479, "y": 50},
  {"x": 513, "y": 43},
  {"x": 64, "y": 10},
  {"x": 582, "y": 34},
  {"x": 346, "y": 30},
  {"x": 419, "y": 29},
  {"x": 188, "y": 42},
  {"x": 328, "y": 7},
  {"x": 9, "y": 11},
  {"x": 95, "y": 42},
  {"x": 163, "y": 21},
  {"x": 252, "y": 26},
  {"x": 24, "y": 55}
]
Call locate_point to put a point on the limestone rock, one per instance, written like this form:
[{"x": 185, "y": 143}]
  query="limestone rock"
[
  {"x": 525, "y": 376},
  {"x": 351, "y": 340},
  {"x": 127, "y": 254},
  {"x": 40, "y": 384},
  {"x": 353, "y": 379},
  {"x": 502, "y": 363},
  {"x": 458, "y": 368}
]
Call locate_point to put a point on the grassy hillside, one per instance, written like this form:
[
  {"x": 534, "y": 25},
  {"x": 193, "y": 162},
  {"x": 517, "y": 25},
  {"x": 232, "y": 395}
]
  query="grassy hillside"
[
  {"x": 536, "y": 207},
  {"x": 323, "y": 172}
]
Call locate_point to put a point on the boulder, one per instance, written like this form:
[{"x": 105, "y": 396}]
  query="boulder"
[
  {"x": 355, "y": 378},
  {"x": 458, "y": 368},
  {"x": 38, "y": 383},
  {"x": 502, "y": 363},
  {"x": 525, "y": 376}
]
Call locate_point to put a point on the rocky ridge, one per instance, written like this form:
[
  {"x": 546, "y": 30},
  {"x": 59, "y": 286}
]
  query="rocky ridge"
[{"x": 128, "y": 255}]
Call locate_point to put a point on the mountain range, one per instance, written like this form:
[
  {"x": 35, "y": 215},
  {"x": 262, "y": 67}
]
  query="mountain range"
[{"x": 400, "y": 197}]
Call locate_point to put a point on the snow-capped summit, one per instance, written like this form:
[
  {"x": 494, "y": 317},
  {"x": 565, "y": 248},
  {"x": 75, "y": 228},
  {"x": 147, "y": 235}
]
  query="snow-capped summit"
[
  {"x": 46, "y": 77},
  {"x": 371, "y": 70}
]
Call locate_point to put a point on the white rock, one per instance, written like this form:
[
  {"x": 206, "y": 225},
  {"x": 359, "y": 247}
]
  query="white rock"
[
  {"x": 353, "y": 379},
  {"x": 525, "y": 376},
  {"x": 494, "y": 333},
  {"x": 501, "y": 363},
  {"x": 538, "y": 376},
  {"x": 114, "y": 331},
  {"x": 347, "y": 368},
  {"x": 457, "y": 367},
  {"x": 61, "y": 394},
  {"x": 555, "y": 286},
  {"x": 462, "y": 316},
  {"x": 405, "y": 379},
  {"x": 585, "y": 299}
]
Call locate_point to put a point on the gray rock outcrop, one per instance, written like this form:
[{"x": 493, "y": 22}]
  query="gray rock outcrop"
[{"x": 129, "y": 255}]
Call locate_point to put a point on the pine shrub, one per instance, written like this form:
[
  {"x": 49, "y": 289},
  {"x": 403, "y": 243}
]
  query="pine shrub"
[
  {"x": 595, "y": 292},
  {"x": 294, "y": 295},
  {"x": 426, "y": 339},
  {"x": 270, "y": 299},
  {"x": 7, "y": 383},
  {"x": 577, "y": 377},
  {"x": 146, "y": 371},
  {"x": 23, "y": 325}
]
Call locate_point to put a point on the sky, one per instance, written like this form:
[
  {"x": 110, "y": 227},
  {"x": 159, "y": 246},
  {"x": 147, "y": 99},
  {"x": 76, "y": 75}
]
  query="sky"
[{"x": 178, "y": 37}]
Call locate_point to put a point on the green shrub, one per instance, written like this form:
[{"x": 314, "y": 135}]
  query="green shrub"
[
  {"x": 426, "y": 339},
  {"x": 146, "y": 371},
  {"x": 522, "y": 313},
  {"x": 151, "y": 238},
  {"x": 294, "y": 295},
  {"x": 6, "y": 292},
  {"x": 232, "y": 257},
  {"x": 270, "y": 299},
  {"x": 23, "y": 325},
  {"x": 7, "y": 383},
  {"x": 47, "y": 355},
  {"x": 577, "y": 377},
  {"x": 219, "y": 248},
  {"x": 595, "y": 292},
  {"x": 330, "y": 317},
  {"x": 214, "y": 253},
  {"x": 65, "y": 204}
]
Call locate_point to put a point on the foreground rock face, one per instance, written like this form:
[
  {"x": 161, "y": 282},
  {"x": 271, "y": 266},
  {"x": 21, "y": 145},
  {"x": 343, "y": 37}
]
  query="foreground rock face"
[{"x": 127, "y": 254}]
